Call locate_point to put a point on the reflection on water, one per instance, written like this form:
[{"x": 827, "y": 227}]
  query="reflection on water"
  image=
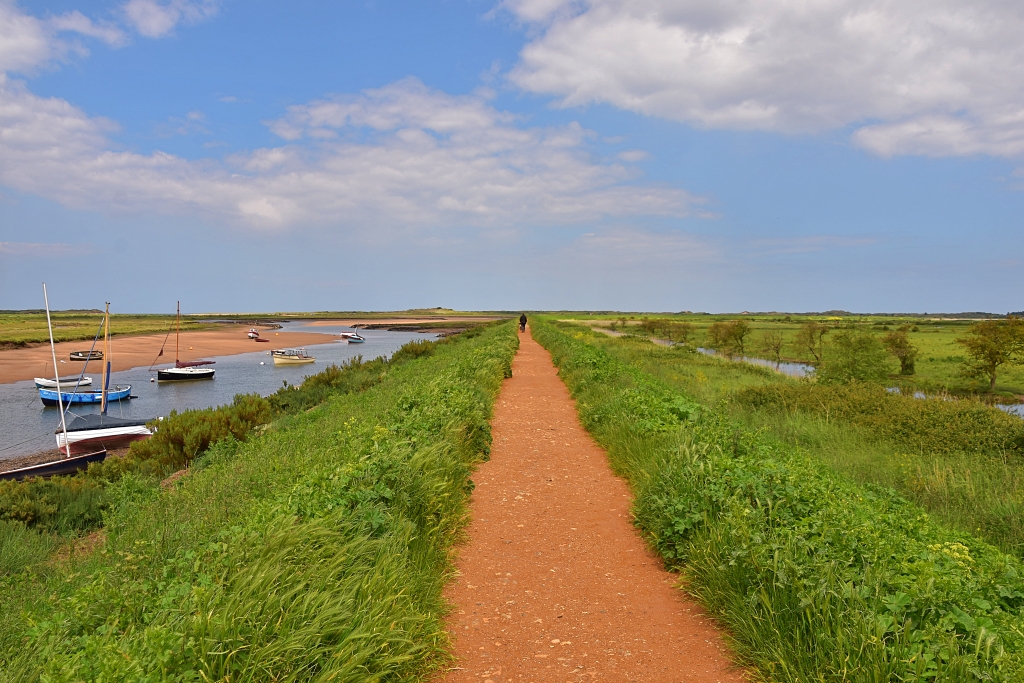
[
  {"x": 28, "y": 427},
  {"x": 791, "y": 369},
  {"x": 1014, "y": 408}
]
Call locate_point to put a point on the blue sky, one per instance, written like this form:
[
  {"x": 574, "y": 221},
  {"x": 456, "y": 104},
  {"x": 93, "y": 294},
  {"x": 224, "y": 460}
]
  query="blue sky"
[{"x": 541, "y": 154}]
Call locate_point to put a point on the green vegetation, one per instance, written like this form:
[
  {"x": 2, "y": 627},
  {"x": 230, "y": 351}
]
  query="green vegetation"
[
  {"x": 315, "y": 549},
  {"x": 817, "y": 578},
  {"x": 19, "y": 328},
  {"x": 928, "y": 356}
]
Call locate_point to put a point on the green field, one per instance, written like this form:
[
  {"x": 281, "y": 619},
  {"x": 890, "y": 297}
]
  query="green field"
[
  {"x": 20, "y": 328},
  {"x": 939, "y": 356},
  {"x": 817, "y": 577}
]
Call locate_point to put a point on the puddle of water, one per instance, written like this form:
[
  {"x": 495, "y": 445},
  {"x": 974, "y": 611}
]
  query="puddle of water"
[{"x": 791, "y": 369}]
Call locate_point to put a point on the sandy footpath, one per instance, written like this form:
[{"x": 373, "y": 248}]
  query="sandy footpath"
[
  {"x": 555, "y": 584},
  {"x": 139, "y": 351}
]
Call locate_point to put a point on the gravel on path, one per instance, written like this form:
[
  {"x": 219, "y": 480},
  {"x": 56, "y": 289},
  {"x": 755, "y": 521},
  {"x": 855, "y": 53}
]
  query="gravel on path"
[{"x": 555, "y": 584}]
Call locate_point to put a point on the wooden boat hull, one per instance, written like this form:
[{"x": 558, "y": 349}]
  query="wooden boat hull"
[
  {"x": 119, "y": 393},
  {"x": 88, "y": 433},
  {"x": 293, "y": 360},
  {"x": 70, "y": 382},
  {"x": 86, "y": 355},
  {"x": 55, "y": 468},
  {"x": 184, "y": 374}
]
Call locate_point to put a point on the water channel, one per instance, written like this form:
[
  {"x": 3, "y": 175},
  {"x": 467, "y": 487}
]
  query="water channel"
[{"x": 28, "y": 426}]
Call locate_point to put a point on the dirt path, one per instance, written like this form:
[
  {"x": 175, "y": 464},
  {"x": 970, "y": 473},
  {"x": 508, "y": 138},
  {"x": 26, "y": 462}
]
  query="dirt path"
[{"x": 555, "y": 583}]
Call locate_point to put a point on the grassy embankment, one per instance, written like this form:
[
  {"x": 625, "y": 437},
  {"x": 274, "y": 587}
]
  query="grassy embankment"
[
  {"x": 938, "y": 362},
  {"x": 818, "y": 578},
  {"x": 29, "y": 327},
  {"x": 316, "y": 549}
]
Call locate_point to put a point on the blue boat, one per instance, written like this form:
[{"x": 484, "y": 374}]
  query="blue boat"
[{"x": 118, "y": 393}]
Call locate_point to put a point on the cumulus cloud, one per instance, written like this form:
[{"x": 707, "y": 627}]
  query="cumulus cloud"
[
  {"x": 27, "y": 42},
  {"x": 154, "y": 19},
  {"x": 936, "y": 79},
  {"x": 402, "y": 155}
]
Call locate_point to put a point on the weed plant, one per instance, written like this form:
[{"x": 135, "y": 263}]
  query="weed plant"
[
  {"x": 816, "y": 577},
  {"x": 315, "y": 550}
]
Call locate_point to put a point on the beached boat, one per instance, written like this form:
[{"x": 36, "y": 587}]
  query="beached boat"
[
  {"x": 253, "y": 333},
  {"x": 291, "y": 357},
  {"x": 42, "y": 383},
  {"x": 55, "y": 467},
  {"x": 120, "y": 392},
  {"x": 86, "y": 355},
  {"x": 183, "y": 370},
  {"x": 87, "y": 433}
]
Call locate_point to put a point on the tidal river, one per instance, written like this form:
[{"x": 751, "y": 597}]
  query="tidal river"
[{"x": 28, "y": 427}]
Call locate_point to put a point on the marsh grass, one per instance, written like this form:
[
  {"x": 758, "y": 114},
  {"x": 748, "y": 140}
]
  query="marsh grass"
[{"x": 817, "y": 577}]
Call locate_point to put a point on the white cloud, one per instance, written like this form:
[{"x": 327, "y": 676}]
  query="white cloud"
[
  {"x": 942, "y": 78},
  {"x": 402, "y": 155},
  {"x": 154, "y": 19},
  {"x": 27, "y": 42}
]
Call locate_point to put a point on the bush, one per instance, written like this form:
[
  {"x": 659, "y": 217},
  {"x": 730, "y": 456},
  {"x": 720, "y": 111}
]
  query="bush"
[{"x": 854, "y": 356}]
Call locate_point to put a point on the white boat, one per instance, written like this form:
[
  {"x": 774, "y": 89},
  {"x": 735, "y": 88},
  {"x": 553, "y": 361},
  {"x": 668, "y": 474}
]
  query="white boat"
[
  {"x": 183, "y": 370},
  {"x": 42, "y": 383},
  {"x": 253, "y": 333},
  {"x": 352, "y": 337},
  {"x": 87, "y": 433},
  {"x": 291, "y": 357}
]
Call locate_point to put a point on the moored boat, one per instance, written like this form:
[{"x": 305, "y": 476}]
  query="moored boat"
[
  {"x": 183, "y": 370},
  {"x": 55, "y": 468},
  {"x": 86, "y": 355},
  {"x": 42, "y": 383},
  {"x": 352, "y": 337},
  {"x": 291, "y": 357},
  {"x": 118, "y": 393},
  {"x": 87, "y": 433},
  {"x": 253, "y": 333}
]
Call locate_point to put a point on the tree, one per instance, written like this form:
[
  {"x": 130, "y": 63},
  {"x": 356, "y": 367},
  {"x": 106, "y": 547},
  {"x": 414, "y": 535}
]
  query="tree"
[
  {"x": 737, "y": 334},
  {"x": 680, "y": 332},
  {"x": 990, "y": 345},
  {"x": 771, "y": 344},
  {"x": 811, "y": 338},
  {"x": 718, "y": 333},
  {"x": 854, "y": 355},
  {"x": 898, "y": 344}
]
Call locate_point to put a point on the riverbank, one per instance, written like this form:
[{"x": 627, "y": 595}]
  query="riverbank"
[{"x": 140, "y": 351}]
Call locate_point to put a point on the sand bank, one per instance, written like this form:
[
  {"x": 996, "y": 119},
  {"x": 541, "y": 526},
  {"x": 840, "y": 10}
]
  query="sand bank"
[{"x": 139, "y": 351}]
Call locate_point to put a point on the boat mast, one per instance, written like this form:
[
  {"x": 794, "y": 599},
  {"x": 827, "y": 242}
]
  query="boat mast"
[
  {"x": 106, "y": 360},
  {"x": 177, "y": 331},
  {"x": 56, "y": 374}
]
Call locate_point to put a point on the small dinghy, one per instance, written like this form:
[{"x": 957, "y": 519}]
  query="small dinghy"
[
  {"x": 87, "y": 433},
  {"x": 120, "y": 392},
  {"x": 86, "y": 355},
  {"x": 352, "y": 337},
  {"x": 42, "y": 383},
  {"x": 253, "y": 333},
  {"x": 291, "y": 357},
  {"x": 70, "y": 465}
]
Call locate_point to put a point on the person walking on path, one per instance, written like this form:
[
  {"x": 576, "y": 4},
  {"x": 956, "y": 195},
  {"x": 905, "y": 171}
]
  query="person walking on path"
[
  {"x": 555, "y": 585},
  {"x": 522, "y": 322}
]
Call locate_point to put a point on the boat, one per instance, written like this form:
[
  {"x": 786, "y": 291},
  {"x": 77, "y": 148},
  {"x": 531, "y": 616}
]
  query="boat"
[
  {"x": 55, "y": 468},
  {"x": 352, "y": 337},
  {"x": 86, "y": 355},
  {"x": 260, "y": 339},
  {"x": 42, "y": 383},
  {"x": 253, "y": 333},
  {"x": 120, "y": 392},
  {"x": 87, "y": 433},
  {"x": 183, "y": 370},
  {"x": 291, "y": 357}
]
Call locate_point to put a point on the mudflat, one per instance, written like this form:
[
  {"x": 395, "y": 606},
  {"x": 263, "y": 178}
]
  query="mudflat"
[{"x": 140, "y": 351}]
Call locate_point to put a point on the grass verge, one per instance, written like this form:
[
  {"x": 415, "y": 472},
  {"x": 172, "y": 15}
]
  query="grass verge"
[{"x": 817, "y": 578}]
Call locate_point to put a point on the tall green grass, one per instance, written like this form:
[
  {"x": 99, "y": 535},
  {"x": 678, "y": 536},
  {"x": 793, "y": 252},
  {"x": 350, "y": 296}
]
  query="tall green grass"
[
  {"x": 316, "y": 550},
  {"x": 817, "y": 578}
]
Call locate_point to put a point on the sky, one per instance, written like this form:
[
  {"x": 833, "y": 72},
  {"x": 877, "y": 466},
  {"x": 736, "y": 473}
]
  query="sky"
[{"x": 642, "y": 155}]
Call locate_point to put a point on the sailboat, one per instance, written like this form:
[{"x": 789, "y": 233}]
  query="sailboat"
[
  {"x": 66, "y": 465},
  {"x": 85, "y": 433},
  {"x": 184, "y": 370}
]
